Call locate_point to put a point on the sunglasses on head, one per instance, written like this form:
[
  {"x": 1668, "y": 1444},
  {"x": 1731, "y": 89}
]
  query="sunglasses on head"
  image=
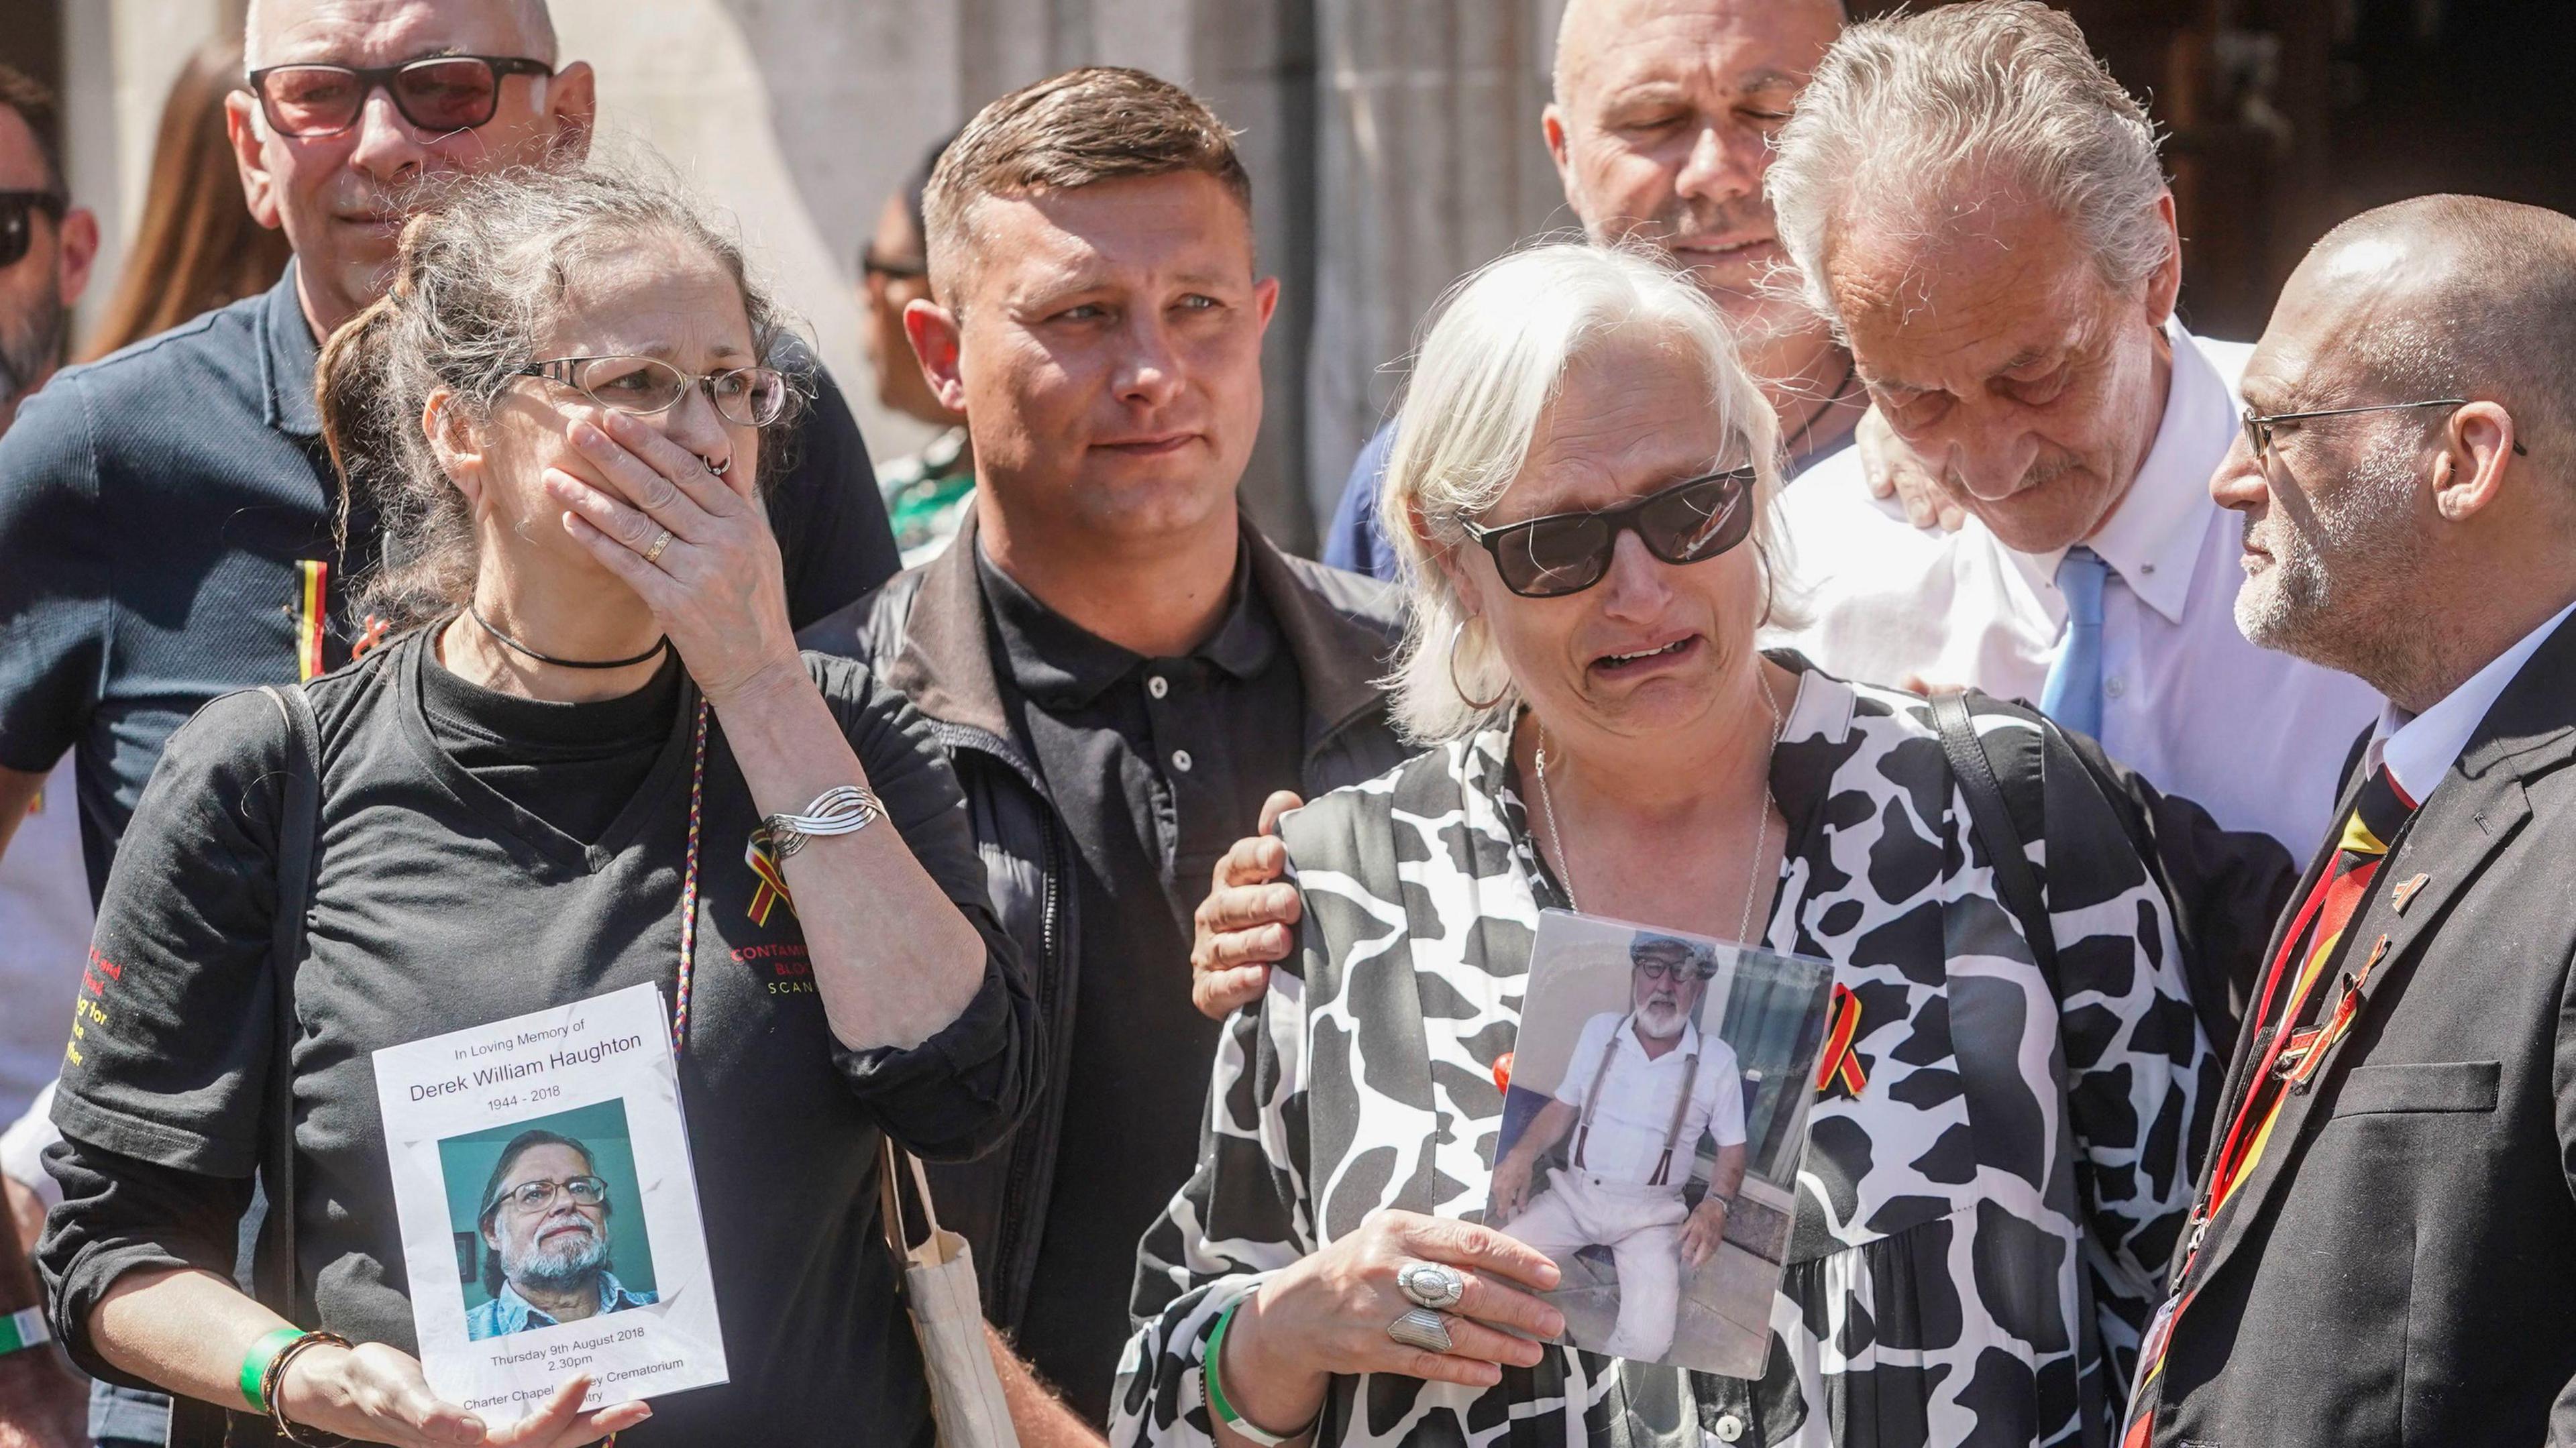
[
  {"x": 437, "y": 93},
  {"x": 1690, "y": 522},
  {"x": 18, "y": 220}
]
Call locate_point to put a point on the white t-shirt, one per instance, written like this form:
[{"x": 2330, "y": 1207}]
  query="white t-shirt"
[
  {"x": 45, "y": 920},
  {"x": 1635, "y": 1110}
]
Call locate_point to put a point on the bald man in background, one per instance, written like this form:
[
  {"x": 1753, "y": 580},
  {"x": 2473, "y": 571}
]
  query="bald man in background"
[
  {"x": 2384, "y": 1245},
  {"x": 1661, "y": 128}
]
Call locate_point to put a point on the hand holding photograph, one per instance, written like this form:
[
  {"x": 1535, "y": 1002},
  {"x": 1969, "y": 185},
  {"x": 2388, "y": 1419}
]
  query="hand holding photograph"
[{"x": 1652, "y": 1126}]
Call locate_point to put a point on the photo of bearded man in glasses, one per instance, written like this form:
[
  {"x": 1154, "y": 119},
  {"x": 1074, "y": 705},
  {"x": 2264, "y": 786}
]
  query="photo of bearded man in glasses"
[
  {"x": 544, "y": 1225},
  {"x": 1645, "y": 1085}
]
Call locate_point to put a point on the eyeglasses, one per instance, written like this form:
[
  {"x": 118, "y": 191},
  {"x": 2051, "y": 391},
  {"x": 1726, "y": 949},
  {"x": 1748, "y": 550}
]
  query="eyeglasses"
[
  {"x": 1675, "y": 971},
  {"x": 1689, "y": 522},
  {"x": 2259, "y": 426},
  {"x": 533, "y": 1196},
  {"x": 434, "y": 93},
  {"x": 751, "y": 396},
  {"x": 18, "y": 220}
]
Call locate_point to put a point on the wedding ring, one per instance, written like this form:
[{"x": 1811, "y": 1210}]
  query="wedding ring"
[
  {"x": 654, "y": 553},
  {"x": 1423, "y": 1328},
  {"x": 1428, "y": 1284}
]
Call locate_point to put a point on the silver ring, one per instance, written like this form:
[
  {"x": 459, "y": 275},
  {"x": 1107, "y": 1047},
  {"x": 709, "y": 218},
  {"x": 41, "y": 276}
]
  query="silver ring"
[
  {"x": 654, "y": 553},
  {"x": 1431, "y": 1285},
  {"x": 719, "y": 469},
  {"x": 1423, "y": 1328}
]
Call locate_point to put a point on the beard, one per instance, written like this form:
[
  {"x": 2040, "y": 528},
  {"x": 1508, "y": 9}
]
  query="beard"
[
  {"x": 28, "y": 351},
  {"x": 1660, "y": 1019},
  {"x": 567, "y": 1262},
  {"x": 2325, "y": 595}
]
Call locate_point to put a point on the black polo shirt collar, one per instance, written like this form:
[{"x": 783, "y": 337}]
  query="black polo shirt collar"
[
  {"x": 1061, "y": 665},
  {"x": 288, "y": 359}
]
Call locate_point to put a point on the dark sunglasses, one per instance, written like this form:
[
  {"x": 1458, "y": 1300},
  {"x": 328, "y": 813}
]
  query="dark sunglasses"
[
  {"x": 1689, "y": 522},
  {"x": 18, "y": 221},
  {"x": 435, "y": 93}
]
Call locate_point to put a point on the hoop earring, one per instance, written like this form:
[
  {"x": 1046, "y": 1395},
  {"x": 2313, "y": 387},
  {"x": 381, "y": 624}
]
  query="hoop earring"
[{"x": 1472, "y": 702}]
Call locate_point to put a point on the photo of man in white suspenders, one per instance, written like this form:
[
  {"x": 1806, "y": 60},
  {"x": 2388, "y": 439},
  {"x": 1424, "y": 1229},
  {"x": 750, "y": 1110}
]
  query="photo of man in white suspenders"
[{"x": 1644, "y": 1086}]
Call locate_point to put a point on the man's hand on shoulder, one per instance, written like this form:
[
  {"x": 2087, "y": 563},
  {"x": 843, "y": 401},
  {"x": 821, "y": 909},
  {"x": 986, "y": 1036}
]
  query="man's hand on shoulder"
[
  {"x": 1894, "y": 470},
  {"x": 1248, "y": 921}
]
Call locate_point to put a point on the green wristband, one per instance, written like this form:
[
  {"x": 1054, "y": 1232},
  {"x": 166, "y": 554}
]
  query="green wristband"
[
  {"x": 254, "y": 1372},
  {"x": 1223, "y": 1410}
]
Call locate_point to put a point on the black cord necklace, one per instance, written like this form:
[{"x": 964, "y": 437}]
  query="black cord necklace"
[
  {"x": 659, "y": 645},
  {"x": 1851, "y": 370}
]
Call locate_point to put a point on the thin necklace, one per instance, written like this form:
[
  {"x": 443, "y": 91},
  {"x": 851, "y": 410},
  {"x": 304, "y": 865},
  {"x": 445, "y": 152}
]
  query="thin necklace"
[
  {"x": 659, "y": 645},
  {"x": 1761, "y": 827},
  {"x": 1851, "y": 370}
]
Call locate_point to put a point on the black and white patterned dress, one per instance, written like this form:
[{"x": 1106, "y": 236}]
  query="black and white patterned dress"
[{"x": 1978, "y": 1232}]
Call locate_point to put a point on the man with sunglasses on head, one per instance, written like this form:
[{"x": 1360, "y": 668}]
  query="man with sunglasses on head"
[
  {"x": 46, "y": 248},
  {"x": 1120, "y": 665}
]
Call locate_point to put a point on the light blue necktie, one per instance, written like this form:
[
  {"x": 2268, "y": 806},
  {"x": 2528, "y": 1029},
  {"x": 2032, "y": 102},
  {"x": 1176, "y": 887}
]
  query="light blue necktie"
[{"x": 2073, "y": 695}]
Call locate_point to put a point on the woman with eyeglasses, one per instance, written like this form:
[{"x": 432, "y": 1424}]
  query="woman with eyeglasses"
[
  {"x": 585, "y": 755},
  {"x": 1996, "y": 1168}
]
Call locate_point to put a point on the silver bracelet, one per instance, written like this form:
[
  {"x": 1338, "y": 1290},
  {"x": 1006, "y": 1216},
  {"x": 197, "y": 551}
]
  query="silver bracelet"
[{"x": 844, "y": 809}]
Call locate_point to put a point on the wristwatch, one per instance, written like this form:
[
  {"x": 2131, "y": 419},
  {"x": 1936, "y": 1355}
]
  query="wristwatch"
[{"x": 24, "y": 1329}]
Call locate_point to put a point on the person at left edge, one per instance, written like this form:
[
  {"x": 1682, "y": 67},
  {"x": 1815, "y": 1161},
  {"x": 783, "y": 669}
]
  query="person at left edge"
[
  {"x": 47, "y": 245},
  {"x": 565, "y": 777},
  {"x": 166, "y": 512},
  {"x": 1121, "y": 666}
]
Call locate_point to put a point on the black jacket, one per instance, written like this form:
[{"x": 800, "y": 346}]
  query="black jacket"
[
  {"x": 2401, "y": 1264},
  {"x": 926, "y": 633}
]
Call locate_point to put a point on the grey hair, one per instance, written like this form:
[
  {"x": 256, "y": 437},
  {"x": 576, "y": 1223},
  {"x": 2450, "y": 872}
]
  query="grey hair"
[
  {"x": 1491, "y": 364},
  {"x": 536, "y": 27},
  {"x": 479, "y": 278},
  {"x": 1907, "y": 110}
]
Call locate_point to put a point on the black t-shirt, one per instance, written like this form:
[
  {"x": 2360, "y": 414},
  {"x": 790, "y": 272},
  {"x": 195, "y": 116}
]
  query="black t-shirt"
[
  {"x": 166, "y": 535},
  {"x": 440, "y": 902},
  {"x": 1157, "y": 767}
]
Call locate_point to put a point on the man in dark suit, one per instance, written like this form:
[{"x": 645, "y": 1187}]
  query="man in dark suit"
[{"x": 2384, "y": 1246}]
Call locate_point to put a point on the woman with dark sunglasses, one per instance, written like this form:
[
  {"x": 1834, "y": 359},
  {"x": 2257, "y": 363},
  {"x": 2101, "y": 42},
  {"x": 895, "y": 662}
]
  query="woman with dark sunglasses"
[
  {"x": 1992, "y": 1182},
  {"x": 585, "y": 756}
]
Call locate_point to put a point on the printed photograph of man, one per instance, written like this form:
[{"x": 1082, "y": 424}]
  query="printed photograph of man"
[
  {"x": 544, "y": 1225},
  {"x": 1644, "y": 1087}
]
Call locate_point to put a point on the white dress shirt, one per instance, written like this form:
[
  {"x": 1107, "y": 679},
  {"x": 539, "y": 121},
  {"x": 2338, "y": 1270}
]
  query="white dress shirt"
[
  {"x": 1631, "y": 1121},
  {"x": 2255, "y": 737},
  {"x": 2419, "y": 749}
]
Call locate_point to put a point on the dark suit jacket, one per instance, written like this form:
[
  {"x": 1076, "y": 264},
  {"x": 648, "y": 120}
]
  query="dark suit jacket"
[{"x": 2401, "y": 1266}]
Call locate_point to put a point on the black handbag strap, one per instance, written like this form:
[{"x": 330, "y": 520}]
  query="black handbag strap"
[
  {"x": 1990, "y": 816},
  {"x": 299, "y": 824}
]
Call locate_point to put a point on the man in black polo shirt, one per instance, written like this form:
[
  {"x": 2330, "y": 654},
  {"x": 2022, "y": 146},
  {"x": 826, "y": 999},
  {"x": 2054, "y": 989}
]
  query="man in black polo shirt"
[
  {"x": 1121, "y": 667},
  {"x": 166, "y": 513}
]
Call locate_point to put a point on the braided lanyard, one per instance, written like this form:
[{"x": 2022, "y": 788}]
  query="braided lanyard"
[{"x": 689, "y": 885}]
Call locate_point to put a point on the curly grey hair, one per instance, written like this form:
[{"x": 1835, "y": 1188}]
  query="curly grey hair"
[
  {"x": 479, "y": 278},
  {"x": 1906, "y": 111}
]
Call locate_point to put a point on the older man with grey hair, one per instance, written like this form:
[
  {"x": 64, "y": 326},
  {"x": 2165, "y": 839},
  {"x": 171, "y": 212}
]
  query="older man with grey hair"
[{"x": 1978, "y": 208}]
